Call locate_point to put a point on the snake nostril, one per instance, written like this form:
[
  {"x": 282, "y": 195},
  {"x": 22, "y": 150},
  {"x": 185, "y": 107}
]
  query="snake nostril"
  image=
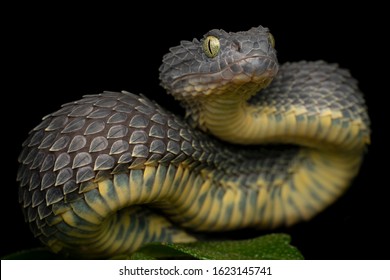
[{"x": 236, "y": 45}]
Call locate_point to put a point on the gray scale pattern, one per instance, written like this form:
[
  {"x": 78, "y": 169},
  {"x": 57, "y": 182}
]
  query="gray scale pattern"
[
  {"x": 317, "y": 86},
  {"x": 95, "y": 137}
]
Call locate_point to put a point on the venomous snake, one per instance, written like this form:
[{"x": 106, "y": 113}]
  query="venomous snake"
[{"x": 261, "y": 146}]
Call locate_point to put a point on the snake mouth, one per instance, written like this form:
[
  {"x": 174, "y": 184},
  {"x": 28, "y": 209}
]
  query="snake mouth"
[
  {"x": 255, "y": 71},
  {"x": 257, "y": 68}
]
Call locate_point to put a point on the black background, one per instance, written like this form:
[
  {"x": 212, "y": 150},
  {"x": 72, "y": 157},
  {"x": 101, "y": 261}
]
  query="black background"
[{"x": 58, "y": 56}]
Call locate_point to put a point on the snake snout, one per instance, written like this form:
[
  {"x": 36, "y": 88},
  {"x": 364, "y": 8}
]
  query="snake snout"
[{"x": 260, "y": 67}]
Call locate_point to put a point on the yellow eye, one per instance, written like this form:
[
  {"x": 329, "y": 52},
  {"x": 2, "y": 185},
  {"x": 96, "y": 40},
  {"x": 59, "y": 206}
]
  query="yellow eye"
[
  {"x": 271, "y": 40},
  {"x": 211, "y": 46}
]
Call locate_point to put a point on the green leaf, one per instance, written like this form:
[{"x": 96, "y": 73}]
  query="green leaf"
[
  {"x": 268, "y": 247},
  {"x": 33, "y": 254}
]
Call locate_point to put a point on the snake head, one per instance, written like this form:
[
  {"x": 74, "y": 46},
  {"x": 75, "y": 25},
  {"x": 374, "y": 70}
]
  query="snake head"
[{"x": 220, "y": 62}]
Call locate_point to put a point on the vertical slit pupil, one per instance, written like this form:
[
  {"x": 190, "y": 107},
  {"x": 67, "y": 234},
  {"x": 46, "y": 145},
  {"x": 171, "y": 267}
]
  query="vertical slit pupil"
[{"x": 209, "y": 46}]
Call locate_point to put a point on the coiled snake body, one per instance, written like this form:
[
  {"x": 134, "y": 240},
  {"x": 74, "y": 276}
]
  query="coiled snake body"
[{"x": 110, "y": 172}]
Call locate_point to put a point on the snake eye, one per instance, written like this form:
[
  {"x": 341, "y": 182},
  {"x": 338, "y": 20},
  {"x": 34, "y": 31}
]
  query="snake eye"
[
  {"x": 271, "y": 40},
  {"x": 211, "y": 46}
]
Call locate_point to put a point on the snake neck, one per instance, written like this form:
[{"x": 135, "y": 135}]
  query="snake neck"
[
  {"x": 246, "y": 119},
  {"x": 226, "y": 118},
  {"x": 235, "y": 120}
]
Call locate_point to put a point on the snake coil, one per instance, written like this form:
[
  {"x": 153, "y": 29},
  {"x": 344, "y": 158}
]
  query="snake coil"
[{"x": 107, "y": 173}]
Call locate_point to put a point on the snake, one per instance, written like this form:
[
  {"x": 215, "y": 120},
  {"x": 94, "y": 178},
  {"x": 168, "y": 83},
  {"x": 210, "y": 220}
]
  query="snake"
[{"x": 260, "y": 146}]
